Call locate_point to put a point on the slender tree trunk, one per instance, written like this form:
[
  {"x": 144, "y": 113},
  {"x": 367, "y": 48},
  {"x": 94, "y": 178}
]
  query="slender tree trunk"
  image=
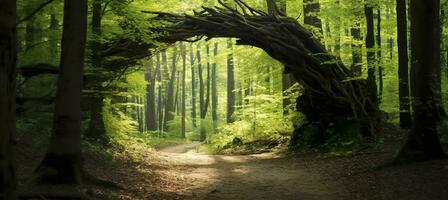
[
  {"x": 54, "y": 26},
  {"x": 403, "y": 63},
  {"x": 214, "y": 89},
  {"x": 184, "y": 68},
  {"x": 356, "y": 49},
  {"x": 8, "y": 58},
  {"x": 423, "y": 142},
  {"x": 201, "y": 95},
  {"x": 63, "y": 161},
  {"x": 207, "y": 95},
  {"x": 337, "y": 30},
  {"x": 379, "y": 56},
  {"x": 159, "y": 96},
  {"x": 169, "y": 104},
  {"x": 371, "y": 60},
  {"x": 151, "y": 113},
  {"x": 230, "y": 83},
  {"x": 193, "y": 87}
]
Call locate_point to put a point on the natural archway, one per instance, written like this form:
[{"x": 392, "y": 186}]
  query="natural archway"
[{"x": 332, "y": 94}]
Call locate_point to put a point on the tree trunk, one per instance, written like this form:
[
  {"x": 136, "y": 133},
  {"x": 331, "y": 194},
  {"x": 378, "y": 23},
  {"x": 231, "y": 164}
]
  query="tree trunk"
[
  {"x": 371, "y": 60},
  {"x": 311, "y": 9},
  {"x": 8, "y": 44},
  {"x": 379, "y": 56},
  {"x": 423, "y": 142},
  {"x": 184, "y": 68},
  {"x": 403, "y": 63},
  {"x": 169, "y": 104},
  {"x": 230, "y": 83},
  {"x": 201, "y": 95},
  {"x": 356, "y": 67},
  {"x": 97, "y": 129},
  {"x": 62, "y": 163},
  {"x": 214, "y": 89},
  {"x": 159, "y": 96},
  {"x": 151, "y": 113},
  {"x": 193, "y": 87}
]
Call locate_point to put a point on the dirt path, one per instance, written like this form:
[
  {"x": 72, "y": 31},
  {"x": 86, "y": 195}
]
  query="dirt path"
[{"x": 251, "y": 177}]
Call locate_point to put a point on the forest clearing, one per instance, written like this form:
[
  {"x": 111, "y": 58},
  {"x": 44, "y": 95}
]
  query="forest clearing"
[{"x": 224, "y": 99}]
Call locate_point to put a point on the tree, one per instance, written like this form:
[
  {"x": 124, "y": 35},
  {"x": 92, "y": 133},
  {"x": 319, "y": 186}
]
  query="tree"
[
  {"x": 7, "y": 98},
  {"x": 151, "y": 113},
  {"x": 403, "y": 62},
  {"x": 63, "y": 160},
  {"x": 371, "y": 60},
  {"x": 311, "y": 8},
  {"x": 379, "y": 55},
  {"x": 214, "y": 89},
  {"x": 423, "y": 142},
  {"x": 169, "y": 104},
  {"x": 184, "y": 68},
  {"x": 97, "y": 129},
  {"x": 329, "y": 96},
  {"x": 193, "y": 87},
  {"x": 355, "y": 32},
  {"x": 230, "y": 83}
]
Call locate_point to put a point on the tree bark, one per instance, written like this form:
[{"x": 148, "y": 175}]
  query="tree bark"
[
  {"x": 193, "y": 87},
  {"x": 403, "y": 63},
  {"x": 151, "y": 113},
  {"x": 371, "y": 60},
  {"x": 214, "y": 89},
  {"x": 201, "y": 95},
  {"x": 8, "y": 59},
  {"x": 97, "y": 128},
  {"x": 379, "y": 56},
  {"x": 169, "y": 104},
  {"x": 311, "y": 9},
  {"x": 184, "y": 68},
  {"x": 62, "y": 163},
  {"x": 423, "y": 142},
  {"x": 230, "y": 83}
]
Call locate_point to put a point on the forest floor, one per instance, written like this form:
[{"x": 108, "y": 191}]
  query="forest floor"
[{"x": 181, "y": 172}]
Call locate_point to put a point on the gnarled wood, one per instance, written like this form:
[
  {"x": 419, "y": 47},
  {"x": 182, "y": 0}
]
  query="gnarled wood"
[{"x": 331, "y": 94}]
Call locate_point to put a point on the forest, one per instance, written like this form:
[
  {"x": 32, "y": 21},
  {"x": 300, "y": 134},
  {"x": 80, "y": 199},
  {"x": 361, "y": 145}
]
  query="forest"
[{"x": 224, "y": 99}]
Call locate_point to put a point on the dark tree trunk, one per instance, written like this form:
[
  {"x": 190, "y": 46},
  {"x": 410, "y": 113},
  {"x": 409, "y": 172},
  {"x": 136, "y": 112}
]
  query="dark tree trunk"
[
  {"x": 230, "y": 83},
  {"x": 379, "y": 55},
  {"x": 169, "y": 104},
  {"x": 184, "y": 72},
  {"x": 311, "y": 9},
  {"x": 62, "y": 163},
  {"x": 371, "y": 60},
  {"x": 8, "y": 58},
  {"x": 423, "y": 142},
  {"x": 403, "y": 63},
  {"x": 97, "y": 129},
  {"x": 151, "y": 113},
  {"x": 193, "y": 87},
  {"x": 356, "y": 67},
  {"x": 54, "y": 26},
  {"x": 214, "y": 89}
]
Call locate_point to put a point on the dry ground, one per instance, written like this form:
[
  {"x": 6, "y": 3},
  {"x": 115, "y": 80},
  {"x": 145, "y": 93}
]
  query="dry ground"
[{"x": 180, "y": 172}]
